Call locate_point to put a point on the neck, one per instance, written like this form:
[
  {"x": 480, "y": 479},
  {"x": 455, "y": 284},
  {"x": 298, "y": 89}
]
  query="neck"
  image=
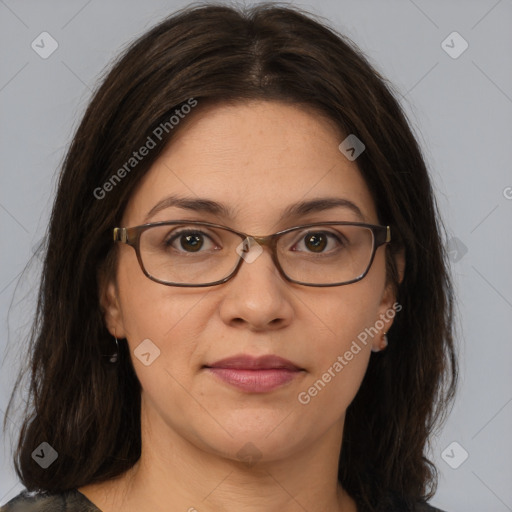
[{"x": 176, "y": 470}]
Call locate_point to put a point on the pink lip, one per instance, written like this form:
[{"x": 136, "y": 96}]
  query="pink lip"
[{"x": 256, "y": 375}]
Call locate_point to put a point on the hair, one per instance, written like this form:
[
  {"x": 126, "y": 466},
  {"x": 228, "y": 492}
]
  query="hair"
[{"x": 89, "y": 410}]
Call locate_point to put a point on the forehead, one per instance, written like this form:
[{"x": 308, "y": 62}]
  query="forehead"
[{"x": 256, "y": 158}]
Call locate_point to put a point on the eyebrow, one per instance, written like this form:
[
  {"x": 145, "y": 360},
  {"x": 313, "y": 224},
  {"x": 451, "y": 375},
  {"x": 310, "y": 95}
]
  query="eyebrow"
[{"x": 204, "y": 205}]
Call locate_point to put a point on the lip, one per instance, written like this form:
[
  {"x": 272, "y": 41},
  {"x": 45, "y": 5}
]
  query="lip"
[
  {"x": 255, "y": 374},
  {"x": 248, "y": 362}
]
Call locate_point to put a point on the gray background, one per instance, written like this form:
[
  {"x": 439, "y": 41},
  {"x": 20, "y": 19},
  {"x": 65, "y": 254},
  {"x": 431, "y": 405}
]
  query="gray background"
[{"x": 460, "y": 108}]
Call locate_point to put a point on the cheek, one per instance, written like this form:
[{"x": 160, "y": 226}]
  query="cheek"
[
  {"x": 342, "y": 314},
  {"x": 341, "y": 340},
  {"x": 164, "y": 321},
  {"x": 338, "y": 353}
]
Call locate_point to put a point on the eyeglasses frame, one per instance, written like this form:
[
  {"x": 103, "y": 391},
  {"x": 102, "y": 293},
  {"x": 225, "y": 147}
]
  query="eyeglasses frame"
[{"x": 131, "y": 237}]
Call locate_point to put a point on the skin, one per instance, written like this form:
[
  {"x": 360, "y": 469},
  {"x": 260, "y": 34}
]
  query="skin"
[{"x": 257, "y": 158}]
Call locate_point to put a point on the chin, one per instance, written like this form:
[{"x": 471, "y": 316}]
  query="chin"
[{"x": 262, "y": 444}]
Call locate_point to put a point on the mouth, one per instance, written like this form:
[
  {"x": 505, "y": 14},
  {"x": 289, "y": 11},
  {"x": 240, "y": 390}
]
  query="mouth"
[{"x": 255, "y": 375}]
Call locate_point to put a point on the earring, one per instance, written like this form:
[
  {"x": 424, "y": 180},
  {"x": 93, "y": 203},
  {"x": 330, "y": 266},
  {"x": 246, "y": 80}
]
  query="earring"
[
  {"x": 383, "y": 343},
  {"x": 115, "y": 356}
]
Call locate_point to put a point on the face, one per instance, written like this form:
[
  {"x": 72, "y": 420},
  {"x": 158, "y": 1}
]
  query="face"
[{"x": 256, "y": 159}]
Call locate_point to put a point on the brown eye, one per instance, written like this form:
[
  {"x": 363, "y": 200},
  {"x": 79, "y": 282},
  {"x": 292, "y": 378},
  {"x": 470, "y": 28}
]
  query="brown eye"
[
  {"x": 191, "y": 242},
  {"x": 320, "y": 242},
  {"x": 315, "y": 242}
]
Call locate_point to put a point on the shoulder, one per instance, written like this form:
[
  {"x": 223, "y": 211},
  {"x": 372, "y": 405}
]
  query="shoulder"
[
  {"x": 425, "y": 507},
  {"x": 69, "y": 501},
  {"x": 399, "y": 504}
]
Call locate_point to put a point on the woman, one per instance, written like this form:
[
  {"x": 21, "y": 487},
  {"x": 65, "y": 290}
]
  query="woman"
[{"x": 245, "y": 303}]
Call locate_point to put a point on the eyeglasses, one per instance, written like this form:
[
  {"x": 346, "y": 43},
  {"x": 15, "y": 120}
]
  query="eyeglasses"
[{"x": 193, "y": 253}]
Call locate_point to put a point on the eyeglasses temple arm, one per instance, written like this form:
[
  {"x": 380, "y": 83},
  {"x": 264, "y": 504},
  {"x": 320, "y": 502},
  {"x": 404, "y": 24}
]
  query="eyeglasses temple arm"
[{"x": 120, "y": 235}]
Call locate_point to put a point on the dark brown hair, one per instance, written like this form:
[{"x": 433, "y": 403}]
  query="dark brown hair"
[{"x": 88, "y": 410}]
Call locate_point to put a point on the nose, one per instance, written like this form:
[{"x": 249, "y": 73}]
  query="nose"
[{"x": 257, "y": 297}]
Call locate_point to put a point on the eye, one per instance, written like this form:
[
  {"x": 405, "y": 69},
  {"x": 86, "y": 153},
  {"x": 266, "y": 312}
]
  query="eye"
[
  {"x": 318, "y": 241},
  {"x": 190, "y": 241}
]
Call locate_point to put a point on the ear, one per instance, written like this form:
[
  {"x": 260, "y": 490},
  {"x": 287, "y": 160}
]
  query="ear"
[
  {"x": 399, "y": 258},
  {"x": 111, "y": 308},
  {"x": 388, "y": 307}
]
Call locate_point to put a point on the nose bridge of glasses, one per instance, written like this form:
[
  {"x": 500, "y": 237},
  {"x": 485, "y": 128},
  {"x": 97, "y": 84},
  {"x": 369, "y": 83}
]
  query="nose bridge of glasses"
[
  {"x": 264, "y": 240},
  {"x": 252, "y": 249},
  {"x": 269, "y": 241}
]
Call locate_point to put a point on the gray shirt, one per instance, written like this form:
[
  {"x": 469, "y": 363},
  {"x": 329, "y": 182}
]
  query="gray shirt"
[{"x": 75, "y": 501}]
